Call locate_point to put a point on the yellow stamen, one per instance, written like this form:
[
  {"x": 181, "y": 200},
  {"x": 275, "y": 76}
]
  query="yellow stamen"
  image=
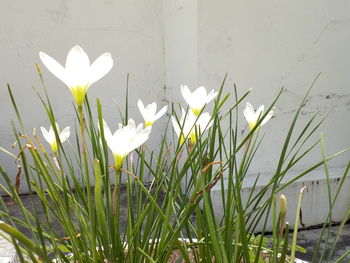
[
  {"x": 148, "y": 123},
  {"x": 196, "y": 111},
  {"x": 54, "y": 146},
  {"x": 252, "y": 125},
  {"x": 193, "y": 138}
]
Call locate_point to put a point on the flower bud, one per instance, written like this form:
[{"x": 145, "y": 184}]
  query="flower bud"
[
  {"x": 283, "y": 206},
  {"x": 283, "y": 212}
]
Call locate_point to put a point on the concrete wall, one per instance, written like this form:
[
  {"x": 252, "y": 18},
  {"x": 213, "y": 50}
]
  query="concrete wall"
[
  {"x": 163, "y": 44},
  {"x": 270, "y": 44}
]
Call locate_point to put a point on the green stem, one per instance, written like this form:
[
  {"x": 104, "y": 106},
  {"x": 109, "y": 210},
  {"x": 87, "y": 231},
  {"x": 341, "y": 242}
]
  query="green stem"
[
  {"x": 116, "y": 199},
  {"x": 87, "y": 178},
  {"x": 294, "y": 242}
]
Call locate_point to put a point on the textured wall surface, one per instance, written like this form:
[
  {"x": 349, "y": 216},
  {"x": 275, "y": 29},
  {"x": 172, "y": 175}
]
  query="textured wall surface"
[
  {"x": 273, "y": 44},
  {"x": 162, "y": 44}
]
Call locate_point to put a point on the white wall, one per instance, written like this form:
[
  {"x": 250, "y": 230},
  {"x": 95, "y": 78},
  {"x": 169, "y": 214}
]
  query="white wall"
[
  {"x": 261, "y": 45},
  {"x": 265, "y": 45}
]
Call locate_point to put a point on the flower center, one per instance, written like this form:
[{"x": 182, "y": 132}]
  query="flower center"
[
  {"x": 79, "y": 93},
  {"x": 118, "y": 161}
]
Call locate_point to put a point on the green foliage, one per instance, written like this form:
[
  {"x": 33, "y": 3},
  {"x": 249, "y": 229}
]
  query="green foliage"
[{"x": 174, "y": 212}]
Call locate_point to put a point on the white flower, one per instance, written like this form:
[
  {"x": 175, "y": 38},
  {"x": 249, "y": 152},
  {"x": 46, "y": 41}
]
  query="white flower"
[
  {"x": 190, "y": 125},
  {"x": 198, "y": 98},
  {"x": 149, "y": 112},
  {"x": 125, "y": 139},
  {"x": 78, "y": 74},
  {"x": 252, "y": 116},
  {"x": 184, "y": 126},
  {"x": 50, "y": 136}
]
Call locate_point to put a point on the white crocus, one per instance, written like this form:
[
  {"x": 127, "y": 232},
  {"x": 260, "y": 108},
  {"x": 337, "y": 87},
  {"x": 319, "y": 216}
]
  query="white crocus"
[
  {"x": 50, "y": 136},
  {"x": 149, "y": 113},
  {"x": 125, "y": 140},
  {"x": 78, "y": 74},
  {"x": 253, "y": 116},
  {"x": 197, "y": 99},
  {"x": 191, "y": 125}
]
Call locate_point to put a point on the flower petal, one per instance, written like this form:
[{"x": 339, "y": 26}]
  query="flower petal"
[
  {"x": 141, "y": 136},
  {"x": 176, "y": 126},
  {"x": 250, "y": 107},
  {"x": 161, "y": 113},
  {"x": 139, "y": 128},
  {"x": 204, "y": 122},
  {"x": 151, "y": 109},
  {"x": 54, "y": 67},
  {"x": 249, "y": 115},
  {"x": 212, "y": 94},
  {"x": 131, "y": 123},
  {"x": 100, "y": 67},
  {"x": 57, "y": 128},
  {"x": 64, "y": 134},
  {"x": 52, "y": 132},
  {"x": 46, "y": 134},
  {"x": 141, "y": 107},
  {"x": 200, "y": 93},
  {"x": 107, "y": 132},
  {"x": 198, "y": 99},
  {"x": 267, "y": 118},
  {"x": 260, "y": 111},
  {"x": 144, "y": 111},
  {"x": 78, "y": 67},
  {"x": 186, "y": 94}
]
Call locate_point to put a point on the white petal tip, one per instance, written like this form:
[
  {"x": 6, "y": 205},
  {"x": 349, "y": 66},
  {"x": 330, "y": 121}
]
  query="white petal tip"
[{"x": 77, "y": 47}]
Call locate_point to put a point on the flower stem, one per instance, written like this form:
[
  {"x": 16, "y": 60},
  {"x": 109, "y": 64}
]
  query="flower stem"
[
  {"x": 115, "y": 195},
  {"x": 87, "y": 176},
  {"x": 83, "y": 145}
]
